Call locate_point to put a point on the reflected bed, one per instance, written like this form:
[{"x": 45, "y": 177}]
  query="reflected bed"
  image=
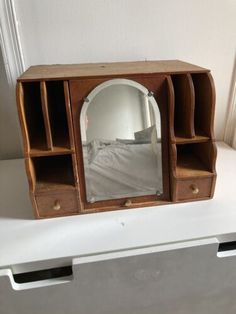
[{"x": 117, "y": 170}]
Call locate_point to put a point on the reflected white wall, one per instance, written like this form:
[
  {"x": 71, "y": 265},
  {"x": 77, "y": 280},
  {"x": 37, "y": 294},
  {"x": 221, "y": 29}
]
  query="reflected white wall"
[{"x": 115, "y": 113}]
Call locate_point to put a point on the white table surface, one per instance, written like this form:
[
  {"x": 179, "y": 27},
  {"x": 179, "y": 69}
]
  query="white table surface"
[{"x": 25, "y": 240}]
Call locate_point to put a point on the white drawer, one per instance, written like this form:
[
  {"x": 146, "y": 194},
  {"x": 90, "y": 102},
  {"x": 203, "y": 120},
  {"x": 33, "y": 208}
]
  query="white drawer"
[{"x": 179, "y": 278}]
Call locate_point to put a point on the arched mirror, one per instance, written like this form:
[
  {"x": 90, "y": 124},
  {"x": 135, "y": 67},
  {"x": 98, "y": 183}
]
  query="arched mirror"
[{"x": 121, "y": 138}]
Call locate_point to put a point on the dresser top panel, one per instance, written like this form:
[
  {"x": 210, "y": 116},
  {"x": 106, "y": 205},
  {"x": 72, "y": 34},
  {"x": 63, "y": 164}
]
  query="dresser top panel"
[{"x": 70, "y": 71}]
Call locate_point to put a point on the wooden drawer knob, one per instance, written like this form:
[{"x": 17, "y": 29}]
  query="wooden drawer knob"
[
  {"x": 56, "y": 205},
  {"x": 128, "y": 203},
  {"x": 194, "y": 188}
]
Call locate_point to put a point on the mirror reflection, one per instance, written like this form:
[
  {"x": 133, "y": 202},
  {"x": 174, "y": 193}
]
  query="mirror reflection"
[{"x": 121, "y": 138}]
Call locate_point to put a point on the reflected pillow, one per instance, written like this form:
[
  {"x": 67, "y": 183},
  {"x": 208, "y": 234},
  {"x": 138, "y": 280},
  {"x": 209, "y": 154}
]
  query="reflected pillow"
[
  {"x": 145, "y": 135},
  {"x": 149, "y": 135}
]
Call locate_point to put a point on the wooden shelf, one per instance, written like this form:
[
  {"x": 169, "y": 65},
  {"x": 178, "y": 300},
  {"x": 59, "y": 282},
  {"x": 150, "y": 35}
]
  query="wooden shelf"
[
  {"x": 53, "y": 172},
  {"x": 44, "y": 186},
  {"x": 194, "y": 160},
  {"x": 45, "y": 107},
  {"x": 198, "y": 138},
  {"x": 55, "y": 151},
  {"x": 189, "y": 166}
]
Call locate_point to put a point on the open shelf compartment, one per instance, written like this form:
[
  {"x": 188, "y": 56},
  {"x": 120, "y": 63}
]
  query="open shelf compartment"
[
  {"x": 195, "y": 160},
  {"x": 46, "y": 114},
  {"x": 183, "y": 106},
  {"x": 204, "y": 103},
  {"x": 56, "y": 105},
  {"x": 192, "y": 108},
  {"x": 33, "y": 113},
  {"x": 53, "y": 172}
]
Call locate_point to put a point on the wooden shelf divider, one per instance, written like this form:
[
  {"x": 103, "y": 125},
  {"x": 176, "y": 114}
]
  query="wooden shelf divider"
[
  {"x": 196, "y": 139},
  {"x": 171, "y": 104},
  {"x": 22, "y": 117},
  {"x": 56, "y": 151},
  {"x": 44, "y": 103},
  {"x": 69, "y": 115}
]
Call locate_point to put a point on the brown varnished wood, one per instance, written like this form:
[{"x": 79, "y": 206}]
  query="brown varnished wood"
[
  {"x": 196, "y": 139},
  {"x": 21, "y": 115},
  {"x": 56, "y": 151},
  {"x": 75, "y": 170},
  {"x": 171, "y": 107},
  {"x": 206, "y": 152},
  {"x": 173, "y": 167},
  {"x": 186, "y": 99},
  {"x": 30, "y": 171},
  {"x": 191, "y": 106},
  {"x": 79, "y": 91},
  {"x": 121, "y": 69},
  {"x": 68, "y": 202},
  {"x": 44, "y": 102},
  {"x": 69, "y": 115},
  {"x": 172, "y": 148},
  {"x": 195, "y": 167},
  {"x": 59, "y": 173},
  {"x": 191, "y": 166},
  {"x": 195, "y": 160},
  {"x": 34, "y": 204},
  {"x": 213, "y": 185},
  {"x": 33, "y": 115},
  {"x": 184, "y": 189},
  {"x": 119, "y": 204},
  {"x": 213, "y": 157},
  {"x": 184, "y": 106},
  {"x": 59, "y": 119},
  {"x": 213, "y": 102},
  {"x": 204, "y": 103}
]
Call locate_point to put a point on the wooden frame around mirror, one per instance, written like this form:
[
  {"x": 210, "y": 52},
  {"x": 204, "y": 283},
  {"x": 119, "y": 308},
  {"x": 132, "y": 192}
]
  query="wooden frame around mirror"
[{"x": 159, "y": 86}]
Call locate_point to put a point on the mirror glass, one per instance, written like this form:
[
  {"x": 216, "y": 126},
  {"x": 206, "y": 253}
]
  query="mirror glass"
[{"x": 121, "y": 138}]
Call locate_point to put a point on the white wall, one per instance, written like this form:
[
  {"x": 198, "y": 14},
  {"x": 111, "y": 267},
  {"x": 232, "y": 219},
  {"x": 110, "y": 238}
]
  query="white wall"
[
  {"x": 10, "y": 143},
  {"x": 202, "y": 32}
]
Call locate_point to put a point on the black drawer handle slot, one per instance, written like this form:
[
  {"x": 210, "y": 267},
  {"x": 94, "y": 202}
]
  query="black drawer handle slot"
[
  {"x": 227, "y": 246},
  {"x": 44, "y": 274}
]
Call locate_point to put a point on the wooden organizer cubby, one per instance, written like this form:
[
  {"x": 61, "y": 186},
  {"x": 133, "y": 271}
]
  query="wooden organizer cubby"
[
  {"x": 59, "y": 174},
  {"x": 50, "y": 99},
  {"x": 192, "y": 108},
  {"x": 34, "y": 117},
  {"x": 44, "y": 107},
  {"x": 183, "y": 106}
]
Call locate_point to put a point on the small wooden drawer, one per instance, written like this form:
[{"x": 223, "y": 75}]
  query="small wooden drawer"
[
  {"x": 57, "y": 204},
  {"x": 190, "y": 189}
]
